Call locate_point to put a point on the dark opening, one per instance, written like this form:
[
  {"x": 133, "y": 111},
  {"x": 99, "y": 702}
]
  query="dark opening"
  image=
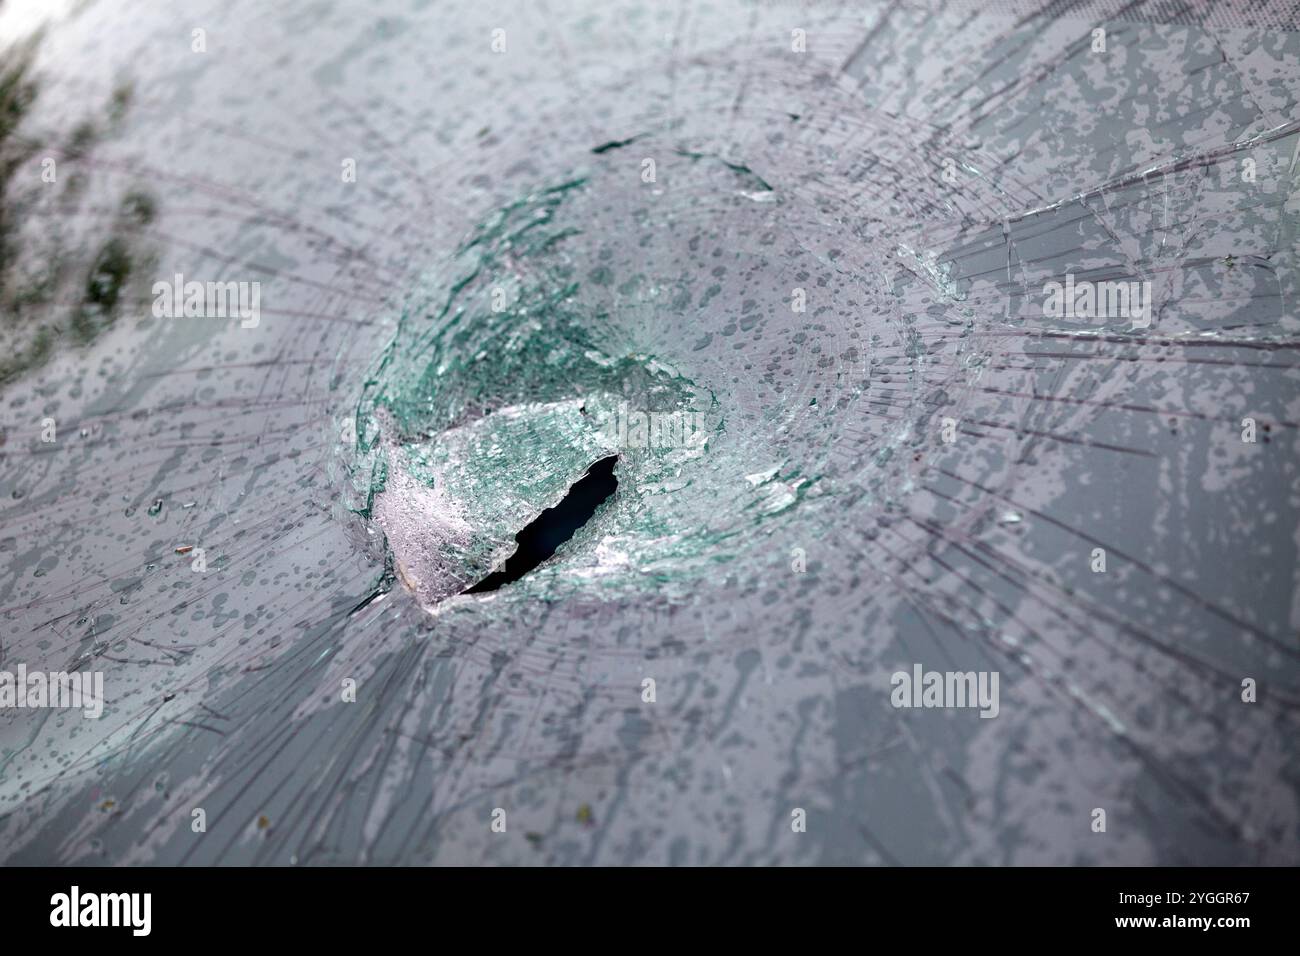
[{"x": 554, "y": 526}]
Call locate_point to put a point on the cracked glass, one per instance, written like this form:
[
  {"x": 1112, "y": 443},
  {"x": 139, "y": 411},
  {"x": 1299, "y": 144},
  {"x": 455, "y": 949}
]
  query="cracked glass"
[{"x": 944, "y": 335}]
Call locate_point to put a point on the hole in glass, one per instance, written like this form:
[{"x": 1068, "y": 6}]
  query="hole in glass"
[{"x": 554, "y": 526}]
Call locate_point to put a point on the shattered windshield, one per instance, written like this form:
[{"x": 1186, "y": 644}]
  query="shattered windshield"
[{"x": 716, "y": 433}]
